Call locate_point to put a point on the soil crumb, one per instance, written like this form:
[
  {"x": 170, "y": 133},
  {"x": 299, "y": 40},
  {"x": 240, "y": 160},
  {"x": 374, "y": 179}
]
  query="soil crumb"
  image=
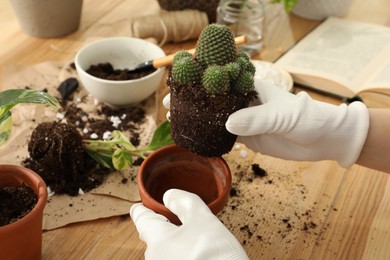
[
  {"x": 107, "y": 71},
  {"x": 15, "y": 203}
]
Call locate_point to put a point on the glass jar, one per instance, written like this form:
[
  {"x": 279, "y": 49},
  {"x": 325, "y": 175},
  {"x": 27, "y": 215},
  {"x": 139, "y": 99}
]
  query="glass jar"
[{"x": 244, "y": 17}]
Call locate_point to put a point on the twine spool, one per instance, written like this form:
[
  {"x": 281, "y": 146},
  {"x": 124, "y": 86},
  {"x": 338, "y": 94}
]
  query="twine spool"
[{"x": 172, "y": 26}]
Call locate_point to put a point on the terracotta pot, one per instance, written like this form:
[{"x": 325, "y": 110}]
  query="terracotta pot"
[
  {"x": 174, "y": 167},
  {"x": 47, "y": 19},
  {"x": 22, "y": 239}
]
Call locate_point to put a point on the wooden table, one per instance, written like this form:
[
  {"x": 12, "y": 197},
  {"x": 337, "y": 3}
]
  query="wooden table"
[{"x": 350, "y": 208}]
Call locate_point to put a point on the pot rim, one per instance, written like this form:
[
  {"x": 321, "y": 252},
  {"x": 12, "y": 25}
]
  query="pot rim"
[
  {"x": 34, "y": 181},
  {"x": 221, "y": 199}
]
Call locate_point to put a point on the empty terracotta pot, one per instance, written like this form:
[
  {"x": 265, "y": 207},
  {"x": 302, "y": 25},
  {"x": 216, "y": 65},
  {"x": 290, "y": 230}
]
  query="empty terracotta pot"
[
  {"x": 175, "y": 167},
  {"x": 22, "y": 239}
]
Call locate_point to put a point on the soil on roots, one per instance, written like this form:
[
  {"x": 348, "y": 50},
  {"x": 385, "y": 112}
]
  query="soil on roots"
[{"x": 57, "y": 155}]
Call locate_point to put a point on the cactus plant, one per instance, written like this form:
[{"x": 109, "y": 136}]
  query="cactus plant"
[
  {"x": 215, "y": 56},
  {"x": 216, "y": 79},
  {"x": 181, "y": 54},
  {"x": 185, "y": 70},
  {"x": 206, "y": 89},
  {"x": 244, "y": 83},
  {"x": 216, "y": 46},
  {"x": 233, "y": 70}
]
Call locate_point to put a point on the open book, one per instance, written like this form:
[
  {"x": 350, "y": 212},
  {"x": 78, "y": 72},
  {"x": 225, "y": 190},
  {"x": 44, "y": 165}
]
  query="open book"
[{"x": 345, "y": 58}]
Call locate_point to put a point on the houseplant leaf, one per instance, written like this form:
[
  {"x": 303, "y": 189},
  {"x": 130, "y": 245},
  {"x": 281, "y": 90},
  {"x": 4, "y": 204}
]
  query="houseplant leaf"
[
  {"x": 118, "y": 152},
  {"x": 161, "y": 137},
  {"x": 12, "y": 97},
  {"x": 5, "y": 127}
]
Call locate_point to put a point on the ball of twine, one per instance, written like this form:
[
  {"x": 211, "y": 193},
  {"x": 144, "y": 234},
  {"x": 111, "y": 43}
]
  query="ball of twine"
[{"x": 170, "y": 26}]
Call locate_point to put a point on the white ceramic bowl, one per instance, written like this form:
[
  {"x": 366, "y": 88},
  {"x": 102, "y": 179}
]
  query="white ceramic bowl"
[{"x": 122, "y": 53}]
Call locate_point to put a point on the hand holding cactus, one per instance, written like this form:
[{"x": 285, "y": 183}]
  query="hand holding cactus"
[{"x": 206, "y": 89}]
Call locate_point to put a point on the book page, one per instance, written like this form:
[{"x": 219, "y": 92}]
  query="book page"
[
  {"x": 380, "y": 78},
  {"x": 341, "y": 50}
]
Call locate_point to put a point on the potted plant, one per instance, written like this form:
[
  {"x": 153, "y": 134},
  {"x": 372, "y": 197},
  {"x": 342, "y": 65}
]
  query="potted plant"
[
  {"x": 21, "y": 238},
  {"x": 206, "y": 89},
  {"x": 316, "y": 9}
]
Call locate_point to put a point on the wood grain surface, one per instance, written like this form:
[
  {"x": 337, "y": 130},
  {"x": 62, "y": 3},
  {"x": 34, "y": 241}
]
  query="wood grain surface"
[{"x": 300, "y": 210}]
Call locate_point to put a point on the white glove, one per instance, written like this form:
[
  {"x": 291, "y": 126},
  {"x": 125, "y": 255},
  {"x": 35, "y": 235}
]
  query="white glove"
[
  {"x": 296, "y": 127},
  {"x": 201, "y": 236},
  {"x": 167, "y": 104}
]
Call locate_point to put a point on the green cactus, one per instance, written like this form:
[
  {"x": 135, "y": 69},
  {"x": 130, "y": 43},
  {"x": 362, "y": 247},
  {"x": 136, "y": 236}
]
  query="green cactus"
[
  {"x": 233, "y": 69},
  {"x": 244, "y": 83},
  {"x": 216, "y": 79},
  {"x": 218, "y": 61},
  {"x": 181, "y": 54},
  {"x": 243, "y": 55},
  {"x": 216, "y": 46},
  {"x": 246, "y": 64},
  {"x": 186, "y": 71}
]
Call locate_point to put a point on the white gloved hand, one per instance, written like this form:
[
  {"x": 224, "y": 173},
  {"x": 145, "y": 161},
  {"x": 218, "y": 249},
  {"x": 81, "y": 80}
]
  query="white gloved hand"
[
  {"x": 201, "y": 236},
  {"x": 167, "y": 104},
  {"x": 296, "y": 127}
]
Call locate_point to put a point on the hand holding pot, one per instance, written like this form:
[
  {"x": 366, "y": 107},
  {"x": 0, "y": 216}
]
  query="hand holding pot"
[
  {"x": 296, "y": 127},
  {"x": 201, "y": 236}
]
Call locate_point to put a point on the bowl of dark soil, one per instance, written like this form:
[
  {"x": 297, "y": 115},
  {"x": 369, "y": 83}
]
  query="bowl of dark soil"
[
  {"x": 23, "y": 196},
  {"x": 105, "y": 69},
  {"x": 175, "y": 167}
]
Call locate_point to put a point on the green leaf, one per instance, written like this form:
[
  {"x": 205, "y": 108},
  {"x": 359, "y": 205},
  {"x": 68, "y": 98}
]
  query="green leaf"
[
  {"x": 120, "y": 139},
  {"x": 122, "y": 159},
  {"x": 288, "y": 4},
  {"x": 105, "y": 159},
  {"x": 11, "y": 97},
  {"x": 161, "y": 137},
  {"x": 118, "y": 152},
  {"x": 5, "y": 127}
]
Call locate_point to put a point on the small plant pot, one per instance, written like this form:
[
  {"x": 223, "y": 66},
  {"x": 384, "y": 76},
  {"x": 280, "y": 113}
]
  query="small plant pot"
[
  {"x": 175, "y": 167},
  {"x": 22, "y": 239},
  {"x": 48, "y": 19}
]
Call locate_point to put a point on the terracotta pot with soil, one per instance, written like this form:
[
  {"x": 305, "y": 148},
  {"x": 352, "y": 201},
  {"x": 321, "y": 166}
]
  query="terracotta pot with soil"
[
  {"x": 175, "y": 167},
  {"x": 206, "y": 89},
  {"x": 22, "y": 238}
]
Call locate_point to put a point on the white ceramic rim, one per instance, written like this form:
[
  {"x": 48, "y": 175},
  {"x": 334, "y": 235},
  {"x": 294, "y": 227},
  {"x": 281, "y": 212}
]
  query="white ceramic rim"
[{"x": 115, "y": 82}]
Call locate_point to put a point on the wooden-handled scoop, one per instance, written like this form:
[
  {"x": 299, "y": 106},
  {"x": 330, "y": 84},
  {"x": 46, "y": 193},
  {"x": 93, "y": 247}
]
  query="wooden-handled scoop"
[{"x": 167, "y": 60}]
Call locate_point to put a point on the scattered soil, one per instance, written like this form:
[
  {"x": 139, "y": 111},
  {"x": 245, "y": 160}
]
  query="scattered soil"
[
  {"x": 55, "y": 148},
  {"x": 198, "y": 118},
  {"x": 15, "y": 203},
  {"x": 107, "y": 71},
  {"x": 106, "y": 119},
  {"x": 258, "y": 198}
]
